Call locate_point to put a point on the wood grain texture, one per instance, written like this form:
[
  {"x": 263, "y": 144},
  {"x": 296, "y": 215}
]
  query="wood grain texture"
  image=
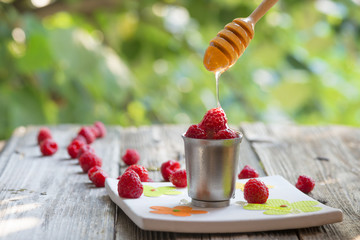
[
  {"x": 50, "y": 197},
  {"x": 329, "y": 154}
]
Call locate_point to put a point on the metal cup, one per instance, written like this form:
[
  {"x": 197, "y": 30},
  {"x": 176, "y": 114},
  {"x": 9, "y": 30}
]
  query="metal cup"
[{"x": 211, "y": 167}]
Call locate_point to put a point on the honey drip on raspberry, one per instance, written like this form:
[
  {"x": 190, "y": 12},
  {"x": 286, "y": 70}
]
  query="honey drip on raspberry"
[{"x": 217, "y": 76}]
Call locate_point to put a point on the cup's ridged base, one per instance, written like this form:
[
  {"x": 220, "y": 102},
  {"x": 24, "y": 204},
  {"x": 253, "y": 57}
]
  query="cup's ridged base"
[{"x": 210, "y": 204}]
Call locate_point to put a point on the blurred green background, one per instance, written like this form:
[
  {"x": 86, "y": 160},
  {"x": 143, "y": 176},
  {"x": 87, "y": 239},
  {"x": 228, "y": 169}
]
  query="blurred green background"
[{"x": 140, "y": 62}]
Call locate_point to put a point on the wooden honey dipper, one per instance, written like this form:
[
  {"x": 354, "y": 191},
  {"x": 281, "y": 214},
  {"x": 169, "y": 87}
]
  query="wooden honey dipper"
[{"x": 231, "y": 42}]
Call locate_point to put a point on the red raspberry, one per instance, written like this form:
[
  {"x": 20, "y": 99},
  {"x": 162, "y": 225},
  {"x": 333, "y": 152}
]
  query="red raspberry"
[
  {"x": 44, "y": 133},
  {"x": 85, "y": 148},
  {"x": 89, "y": 160},
  {"x": 255, "y": 191},
  {"x": 214, "y": 121},
  {"x": 101, "y": 127},
  {"x": 98, "y": 178},
  {"x": 74, "y": 147},
  {"x": 129, "y": 185},
  {"x": 178, "y": 178},
  {"x": 48, "y": 147},
  {"x": 131, "y": 157},
  {"x": 93, "y": 170},
  {"x": 305, "y": 184},
  {"x": 248, "y": 172},
  {"x": 168, "y": 168},
  {"x": 141, "y": 171},
  {"x": 226, "y": 134},
  {"x": 195, "y": 131},
  {"x": 88, "y": 134},
  {"x": 80, "y": 138},
  {"x": 95, "y": 131}
]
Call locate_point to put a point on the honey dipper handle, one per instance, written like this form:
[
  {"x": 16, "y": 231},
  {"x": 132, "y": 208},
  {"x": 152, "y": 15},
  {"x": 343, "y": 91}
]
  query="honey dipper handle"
[{"x": 261, "y": 10}]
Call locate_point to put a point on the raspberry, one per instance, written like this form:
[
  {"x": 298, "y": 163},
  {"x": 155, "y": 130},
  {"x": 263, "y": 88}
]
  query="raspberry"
[
  {"x": 129, "y": 185},
  {"x": 226, "y": 134},
  {"x": 74, "y": 147},
  {"x": 44, "y": 133},
  {"x": 88, "y": 134},
  {"x": 305, "y": 184},
  {"x": 98, "y": 178},
  {"x": 178, "y": 178},
  {"x": 255, "y": 191},
  {"x": 85, "y": 148},
  {"x": 248, "y": 172},
  {"x": 48, "y": 147},
  {"x": 93, "y": 170},
  {"x": 95, "y": 131},
  {"x": 89, "y": 160},
  {"x": 168, "y": 168},
  {"x": 214, "y": 121},
  {"x": 80, "y": 138},
  {"x": 131, "y": 157},
  {"x": 141, "y": 171},
  {"x": 195, "y": 131},
  {"x": 101, "y": 127}
]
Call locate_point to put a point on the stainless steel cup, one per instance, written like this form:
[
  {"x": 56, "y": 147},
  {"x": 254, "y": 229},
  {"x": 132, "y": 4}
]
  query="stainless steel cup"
[{"x": 211, "y": 167}]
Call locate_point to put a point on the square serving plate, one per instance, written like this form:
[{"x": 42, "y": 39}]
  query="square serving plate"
[{"x": 301, "y": 210}]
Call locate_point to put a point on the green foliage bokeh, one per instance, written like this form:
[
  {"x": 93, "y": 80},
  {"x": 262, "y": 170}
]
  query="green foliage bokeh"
[{"x": 140, "y": 62}]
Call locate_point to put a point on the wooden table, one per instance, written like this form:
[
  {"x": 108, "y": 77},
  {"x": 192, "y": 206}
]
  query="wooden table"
[{"x": 50, "y": 197}]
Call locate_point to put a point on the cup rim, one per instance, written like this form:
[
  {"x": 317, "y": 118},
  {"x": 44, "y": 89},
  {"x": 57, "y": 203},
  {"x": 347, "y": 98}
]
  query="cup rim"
[{"x": 241, "y": 136}]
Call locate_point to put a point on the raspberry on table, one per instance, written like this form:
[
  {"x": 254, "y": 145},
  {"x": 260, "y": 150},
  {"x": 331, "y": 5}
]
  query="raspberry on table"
[
  {"x": 214, "y": 121},
  {"x": 80, "y": 138},
  {"x": 95, "y": 131},
  {"x": 178, "y": 178},
  {"x": 85, "y": 148},
  {"x": 74, "y": 147},
  {"x": 195, "y": 131},
  {"x": 255, "y": 191},
  {"x": 141, "y": 171},
  {"x": 305, "y": 184},
  {"x": 89, "y": 160},
  {"x": 93, "y": 170},
  {"x": 98, "y": 178},
  {"x": 226, "y": 134},
  {"x": 101, "y": 129},
  {"x": 168, "y": 168},
  {"x": 131, "y": 157},
  {"x": 88, "y": 134},
  {"x": 129, "y": 185},
  {"x": 44, "y": 133},
  {"x": 248, "y": 172},
  {"x": 48, "y": 147}
]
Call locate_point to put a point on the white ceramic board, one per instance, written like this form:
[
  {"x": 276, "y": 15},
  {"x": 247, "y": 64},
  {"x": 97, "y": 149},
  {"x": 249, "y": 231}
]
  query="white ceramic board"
[{"x": 234, "y": 218}]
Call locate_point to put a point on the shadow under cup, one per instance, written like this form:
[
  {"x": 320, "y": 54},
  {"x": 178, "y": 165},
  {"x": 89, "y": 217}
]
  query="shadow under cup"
[{"x": 211, "y": 167}]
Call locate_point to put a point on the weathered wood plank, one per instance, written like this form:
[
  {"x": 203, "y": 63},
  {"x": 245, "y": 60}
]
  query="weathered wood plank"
[
  {"x": 43, "y": 197},
  {"x": 328, "y": 154},
  {"x": 157, "y": 144},
  {"x": 50, "y": 197},
  {"x": 8, "y": 149}
]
